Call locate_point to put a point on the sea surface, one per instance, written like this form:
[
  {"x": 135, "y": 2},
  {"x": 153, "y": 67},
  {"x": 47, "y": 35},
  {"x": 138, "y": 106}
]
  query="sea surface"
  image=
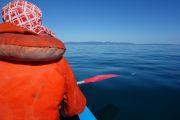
[{"x": 148, "y": 87}]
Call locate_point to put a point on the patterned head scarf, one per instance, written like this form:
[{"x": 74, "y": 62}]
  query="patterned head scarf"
[{"x": 26, "y": 15}]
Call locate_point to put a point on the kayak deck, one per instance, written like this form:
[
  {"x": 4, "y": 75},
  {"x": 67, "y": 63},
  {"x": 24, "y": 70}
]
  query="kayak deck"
[{"x": 87, "y": 114}]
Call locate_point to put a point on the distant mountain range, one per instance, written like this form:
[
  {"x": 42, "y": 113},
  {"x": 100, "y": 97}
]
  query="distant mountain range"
[
  {"x": 121, "y": 43},
  {"x": 94, "y": 42}
]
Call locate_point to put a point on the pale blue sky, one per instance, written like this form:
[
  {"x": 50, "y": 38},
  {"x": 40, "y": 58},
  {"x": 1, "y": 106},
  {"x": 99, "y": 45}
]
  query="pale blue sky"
[{"x": 136, "y": 21}]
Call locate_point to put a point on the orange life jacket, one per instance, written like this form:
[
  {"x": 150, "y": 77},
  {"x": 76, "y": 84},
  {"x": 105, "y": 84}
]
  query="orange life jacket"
[{"x": 31, "y": 90}]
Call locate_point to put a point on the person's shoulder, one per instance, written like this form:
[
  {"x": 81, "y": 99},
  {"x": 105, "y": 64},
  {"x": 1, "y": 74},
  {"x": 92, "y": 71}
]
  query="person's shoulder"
[
  {"x": 62, "y": 61},
  {"x": 62, "y": 65}
]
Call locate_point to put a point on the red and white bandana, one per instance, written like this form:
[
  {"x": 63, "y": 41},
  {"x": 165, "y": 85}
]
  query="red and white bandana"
[{"x": 26, "y": 15}]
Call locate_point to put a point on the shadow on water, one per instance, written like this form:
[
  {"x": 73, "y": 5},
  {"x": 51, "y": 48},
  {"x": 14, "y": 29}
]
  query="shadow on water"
[{"x": 108, "y": 112}]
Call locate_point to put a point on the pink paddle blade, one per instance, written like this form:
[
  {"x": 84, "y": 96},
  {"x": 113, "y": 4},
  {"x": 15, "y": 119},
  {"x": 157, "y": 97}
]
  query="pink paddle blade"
[{"x": 97, "y": 78}]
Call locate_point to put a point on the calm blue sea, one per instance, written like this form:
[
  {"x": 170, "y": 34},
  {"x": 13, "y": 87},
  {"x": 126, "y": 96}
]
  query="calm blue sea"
[{"x": 149, "y": 85}]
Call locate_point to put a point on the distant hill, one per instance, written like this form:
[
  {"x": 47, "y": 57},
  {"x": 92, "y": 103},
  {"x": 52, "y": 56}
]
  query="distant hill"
[
  {"x": 120, "y": 43},
  {"x": 94, "y": 42}
]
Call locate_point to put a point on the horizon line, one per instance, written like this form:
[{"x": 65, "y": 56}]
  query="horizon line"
[{"x": 105, "y": 42}]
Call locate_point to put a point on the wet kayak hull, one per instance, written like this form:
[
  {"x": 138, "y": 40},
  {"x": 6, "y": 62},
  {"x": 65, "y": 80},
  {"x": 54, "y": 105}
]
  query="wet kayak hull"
[{"x": 87, "y": 115}]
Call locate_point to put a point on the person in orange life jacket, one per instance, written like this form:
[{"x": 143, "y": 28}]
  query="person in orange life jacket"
[{"x": 35, "y": 77}]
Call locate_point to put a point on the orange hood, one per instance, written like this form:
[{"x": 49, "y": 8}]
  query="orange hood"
[{"x": 17, "y": 43}]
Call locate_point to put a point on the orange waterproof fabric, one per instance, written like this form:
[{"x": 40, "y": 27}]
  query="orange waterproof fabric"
[
  {"x": 26, "y": 38},
  {"x": 9, "y": 27},
  {"x": 34, "y": 91}
]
